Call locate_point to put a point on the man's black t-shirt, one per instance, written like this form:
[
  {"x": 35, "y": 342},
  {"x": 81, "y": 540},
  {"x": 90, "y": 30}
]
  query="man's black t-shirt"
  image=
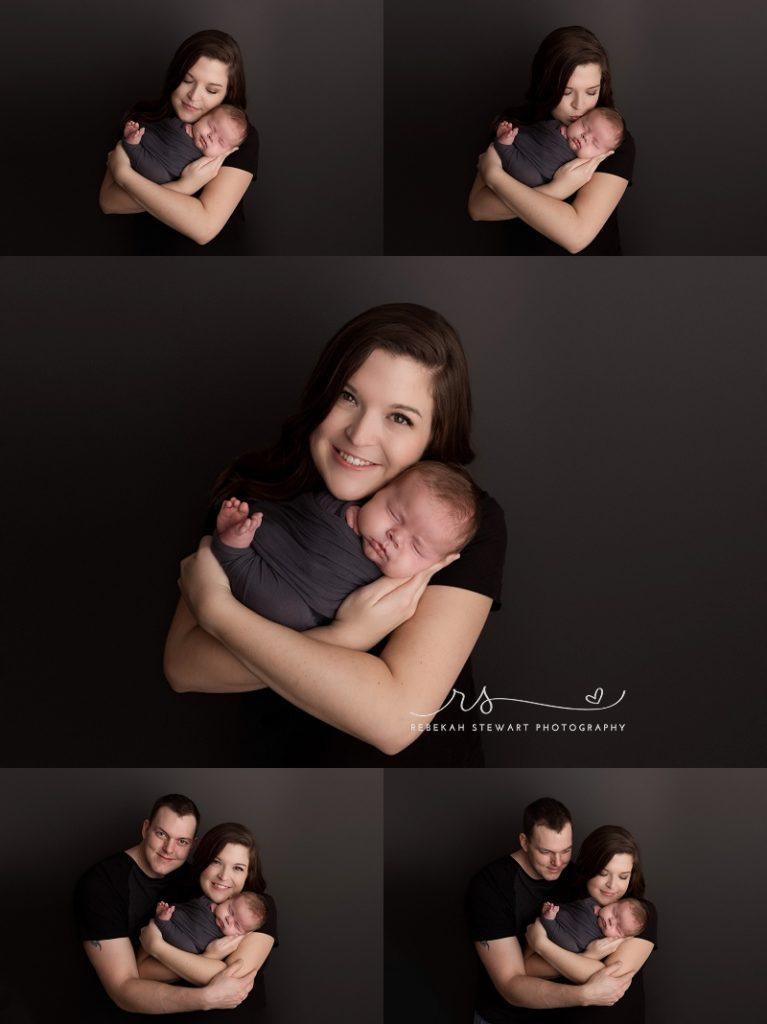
[
  {"x": 115, "y": 899},
  {"x": 275, "y": 733},
  {"x": 502, "y": 900}
]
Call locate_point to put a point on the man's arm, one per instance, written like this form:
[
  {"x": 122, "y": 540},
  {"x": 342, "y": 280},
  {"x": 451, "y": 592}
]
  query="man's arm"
[
  {"x": 115, "y": 964},
  {"x": 503, "y": 961}
]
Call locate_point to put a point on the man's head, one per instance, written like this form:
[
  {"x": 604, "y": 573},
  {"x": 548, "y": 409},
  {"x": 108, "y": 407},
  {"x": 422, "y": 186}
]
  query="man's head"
[
  {"x": 240, "y": 914},
  {"x": 224, "y": 128},
  {"x": 546, "y": 838},
  {"x": 428, "y": 512},
  {"x": 597, "y": 132},
  {"x": 167, "y": 834},
  {"x": 622, "y": 919}
]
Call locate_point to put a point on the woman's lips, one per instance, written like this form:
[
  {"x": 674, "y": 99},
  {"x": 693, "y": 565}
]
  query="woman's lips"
[{"x": 343, "y": 458}]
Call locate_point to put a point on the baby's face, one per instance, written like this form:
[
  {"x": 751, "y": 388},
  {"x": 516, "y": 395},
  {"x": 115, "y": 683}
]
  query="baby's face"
[
  {"x": 617, "y": 921},
  {"x": 405, "y": 529},
  {"x": 215, "y": 133},
  {"x": 234, "y": 917},
  {"x": 591, "y": 135}
]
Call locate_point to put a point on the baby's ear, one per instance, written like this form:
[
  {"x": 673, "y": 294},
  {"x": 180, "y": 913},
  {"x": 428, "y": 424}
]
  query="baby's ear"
[{"x": 352, "y": 515}]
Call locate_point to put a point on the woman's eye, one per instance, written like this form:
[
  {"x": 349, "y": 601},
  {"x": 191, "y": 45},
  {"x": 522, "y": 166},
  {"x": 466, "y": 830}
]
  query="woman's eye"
[
  {"x": 403, "y": 420},
  {"x": 347, "y": 396}
]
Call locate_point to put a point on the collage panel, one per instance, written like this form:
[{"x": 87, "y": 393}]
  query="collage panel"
[
  {"x": 272, "y": 914},
  {"x": 483, "y": 867}
]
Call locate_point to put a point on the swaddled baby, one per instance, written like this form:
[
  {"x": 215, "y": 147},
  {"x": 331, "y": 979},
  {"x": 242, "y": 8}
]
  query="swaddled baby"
[
  {"x": 574, "y": 925},
  {"x": 193, "y": 925},
  {"x": 295, "y": 561},
  {"x": 533, "y": 154},
  {"x": 160, "y": 151}
]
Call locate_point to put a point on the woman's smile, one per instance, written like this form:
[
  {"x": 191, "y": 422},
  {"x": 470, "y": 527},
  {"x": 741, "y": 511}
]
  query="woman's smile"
[{"x": 350, "y": 461}]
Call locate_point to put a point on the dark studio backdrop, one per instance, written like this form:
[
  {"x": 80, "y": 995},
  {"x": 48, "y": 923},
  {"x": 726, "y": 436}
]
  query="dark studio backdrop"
[
  {"x": 698, "y": 832},
  {"x": 687, "y": 77},
  {"x": 320, "y": 834},
  {"x": 314, "y": 94},
  {"x": 618, "y": 420}
]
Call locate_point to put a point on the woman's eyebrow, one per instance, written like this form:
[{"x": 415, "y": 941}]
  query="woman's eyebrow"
[{"x": 408, "y": 408}]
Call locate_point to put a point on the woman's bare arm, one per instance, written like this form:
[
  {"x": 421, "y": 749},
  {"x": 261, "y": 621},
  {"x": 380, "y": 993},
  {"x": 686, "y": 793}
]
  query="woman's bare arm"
[
  {"x": 631, "y": 955},
  {"x": 485, "y": 205},
  {"x": 198, "y": 969}
]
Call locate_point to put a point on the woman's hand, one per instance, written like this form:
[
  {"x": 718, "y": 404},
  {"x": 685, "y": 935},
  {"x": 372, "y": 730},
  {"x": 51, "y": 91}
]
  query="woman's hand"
[
  {"x": 536, "y": 935},
  {"x": 198, "y": 173},
  {"x": 219, "y": 949},
  {"x": 489, "y": 164},
  {"x": 151, "y": 938},
  {"x": 118, "y": 163},
  {"x": 575, "y": 173},
  {"x": 598, "y": 949},
  {"x": 203, "y": 583},
  {"x": 372, "y": 612}
]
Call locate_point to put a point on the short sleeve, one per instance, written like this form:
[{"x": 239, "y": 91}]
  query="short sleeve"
[
  {"x": 480, "y": 567},
  {"x": 650, "y": 930},
  {"x": 246, "y": 157},
  {"x": 621, "y": 163},
  {"x": 490, "y": 911},
  {"x": 269, "y": 927},
  {"x": 101, "y": 911}
]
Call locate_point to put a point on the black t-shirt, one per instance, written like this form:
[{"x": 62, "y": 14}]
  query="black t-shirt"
[
  {"x": 522, "y": 240},
  {"x": 115, "y": 899},
  {"x": 277, "y": 734},
  {"x": 501, "y": 901}
]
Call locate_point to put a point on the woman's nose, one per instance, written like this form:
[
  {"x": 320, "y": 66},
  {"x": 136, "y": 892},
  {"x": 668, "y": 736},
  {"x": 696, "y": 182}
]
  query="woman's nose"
[{"x": 360, "y": 432}]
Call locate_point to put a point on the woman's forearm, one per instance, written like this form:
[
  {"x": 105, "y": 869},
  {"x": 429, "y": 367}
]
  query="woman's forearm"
[
  {"x": 192, "y": 967},
  {"x": 185, "y": 214},
  {"x": 573, "y": 966},
  {"x": 552, "y": 217},
  {"x": 486, "y": 205},
  {"x": 114, "y": 199}
]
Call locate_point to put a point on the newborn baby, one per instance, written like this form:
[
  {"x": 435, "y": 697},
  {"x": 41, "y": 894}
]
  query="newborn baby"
[
  {"x": 193, "y": 925},
  {"x": 575, "y": 925},
  {"x": 294, "y": 562},
  {"x": 534, "y": 153},
  {"x": 161, "y": 150}
]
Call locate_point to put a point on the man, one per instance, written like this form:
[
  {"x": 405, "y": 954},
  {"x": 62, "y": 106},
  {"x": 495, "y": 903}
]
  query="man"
[
  {"x": 504, "y": 898},
  {"x": 118, "y": 896}
]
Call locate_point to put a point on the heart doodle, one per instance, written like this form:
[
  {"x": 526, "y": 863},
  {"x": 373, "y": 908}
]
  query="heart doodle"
[{"x": 596, "y": 696}]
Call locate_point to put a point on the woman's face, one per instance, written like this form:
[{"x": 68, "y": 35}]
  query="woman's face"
[
  {"x": 380, "y": 424},
  {"x": 581, "y": 93},
  {"x": 612, "y": 881},
  {"x": 202, "y": 88},
  {"x": 225, "y": 875}
]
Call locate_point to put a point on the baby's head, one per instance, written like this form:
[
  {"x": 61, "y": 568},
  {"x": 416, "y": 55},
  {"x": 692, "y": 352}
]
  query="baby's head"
[
  {"x": 597, "y": 132},
  {"x": 242, "y": 913},
  {"x": 426, "y": 513},
  {"x": 622, "y": 919},
  {"x": 220, "y": 130}
]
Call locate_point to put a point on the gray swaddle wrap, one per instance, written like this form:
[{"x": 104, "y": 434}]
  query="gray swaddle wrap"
[
  {"x": 575, "y": 926},
  {"x": 164, "y": 151},
  {"x": 536, "y": 154},
  {"x": 303, "y": 561},
  {"x": 192, "y": 926}
]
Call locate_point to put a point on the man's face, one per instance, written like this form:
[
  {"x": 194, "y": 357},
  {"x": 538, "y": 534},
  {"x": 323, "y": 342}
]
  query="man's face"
[
  {"x": 167, "y": 841},
  {"x": 548, "y": 852}
]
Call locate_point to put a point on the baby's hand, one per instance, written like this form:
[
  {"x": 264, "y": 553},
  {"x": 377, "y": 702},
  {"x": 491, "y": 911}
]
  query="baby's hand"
[
  {"x": 549, "y": 911},
  {"x": 506, "y": 133},
  {"x": 133, "y": 133},
  {"x": 164, "y": 911},
  {"x": 234, "y": 526}
]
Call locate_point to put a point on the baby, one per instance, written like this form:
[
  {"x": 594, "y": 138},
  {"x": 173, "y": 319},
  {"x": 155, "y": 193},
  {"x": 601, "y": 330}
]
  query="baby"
[
  {"x": 533, "y": 154},
  {"x": 575, "y": 925},
  {"x": 294, "y": 562},
  {"x": 193, "y": 925},
  {"x": 161, "y": 150}
]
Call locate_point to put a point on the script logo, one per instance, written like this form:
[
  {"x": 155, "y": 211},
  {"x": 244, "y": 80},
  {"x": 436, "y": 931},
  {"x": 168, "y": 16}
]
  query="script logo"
[{"x": 485, "y": 703}]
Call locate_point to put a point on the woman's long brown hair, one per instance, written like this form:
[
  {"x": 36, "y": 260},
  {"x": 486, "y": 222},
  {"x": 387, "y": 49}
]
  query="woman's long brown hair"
[{"x": 599, "y": 848}]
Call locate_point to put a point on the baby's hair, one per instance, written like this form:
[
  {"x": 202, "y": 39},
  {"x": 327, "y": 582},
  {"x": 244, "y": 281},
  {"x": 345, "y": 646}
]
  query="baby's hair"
[
  {"x": 238, "y": 115},
  {"x": 638, "y": 911},
  {"x": 615, "y": 121},
  {"x": 451, "y": 484},
  {"x": 256, "y": 905}
]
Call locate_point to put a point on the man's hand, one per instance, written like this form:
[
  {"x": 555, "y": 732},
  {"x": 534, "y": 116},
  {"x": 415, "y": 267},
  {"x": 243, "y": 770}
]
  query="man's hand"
[
  {"x": 604, "y": 988},
  {"x": 226, "y": 990}
]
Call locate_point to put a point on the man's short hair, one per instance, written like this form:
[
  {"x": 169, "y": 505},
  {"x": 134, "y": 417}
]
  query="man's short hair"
[
  {"x": 545, "y": 811},
  {"x": 180, "y": 805}
]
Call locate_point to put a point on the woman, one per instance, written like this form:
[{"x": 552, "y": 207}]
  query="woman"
[
  {"x": 608, "y": 868},
  {"x": 391, "y": 387},
  {"x": 206, "y": 70},
  {"x": 570, "y": 75},
  {"x": 228, "y": 860}
]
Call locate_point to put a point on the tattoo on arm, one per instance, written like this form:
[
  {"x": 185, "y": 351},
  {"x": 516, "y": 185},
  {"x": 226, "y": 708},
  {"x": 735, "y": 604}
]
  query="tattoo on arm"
[
  {"x": 94, "y": 943},
  {"x": 484, "y": 943}
]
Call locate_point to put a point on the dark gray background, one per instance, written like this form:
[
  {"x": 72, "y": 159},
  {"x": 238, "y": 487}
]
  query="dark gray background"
[
  {"x": 320, "y": 833},
  {"x": 687, "y": 76},
  {"x": 700, "y": 832},
  {"x": 620, "y": 418},
  {"x": 314, "y": 93}
]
